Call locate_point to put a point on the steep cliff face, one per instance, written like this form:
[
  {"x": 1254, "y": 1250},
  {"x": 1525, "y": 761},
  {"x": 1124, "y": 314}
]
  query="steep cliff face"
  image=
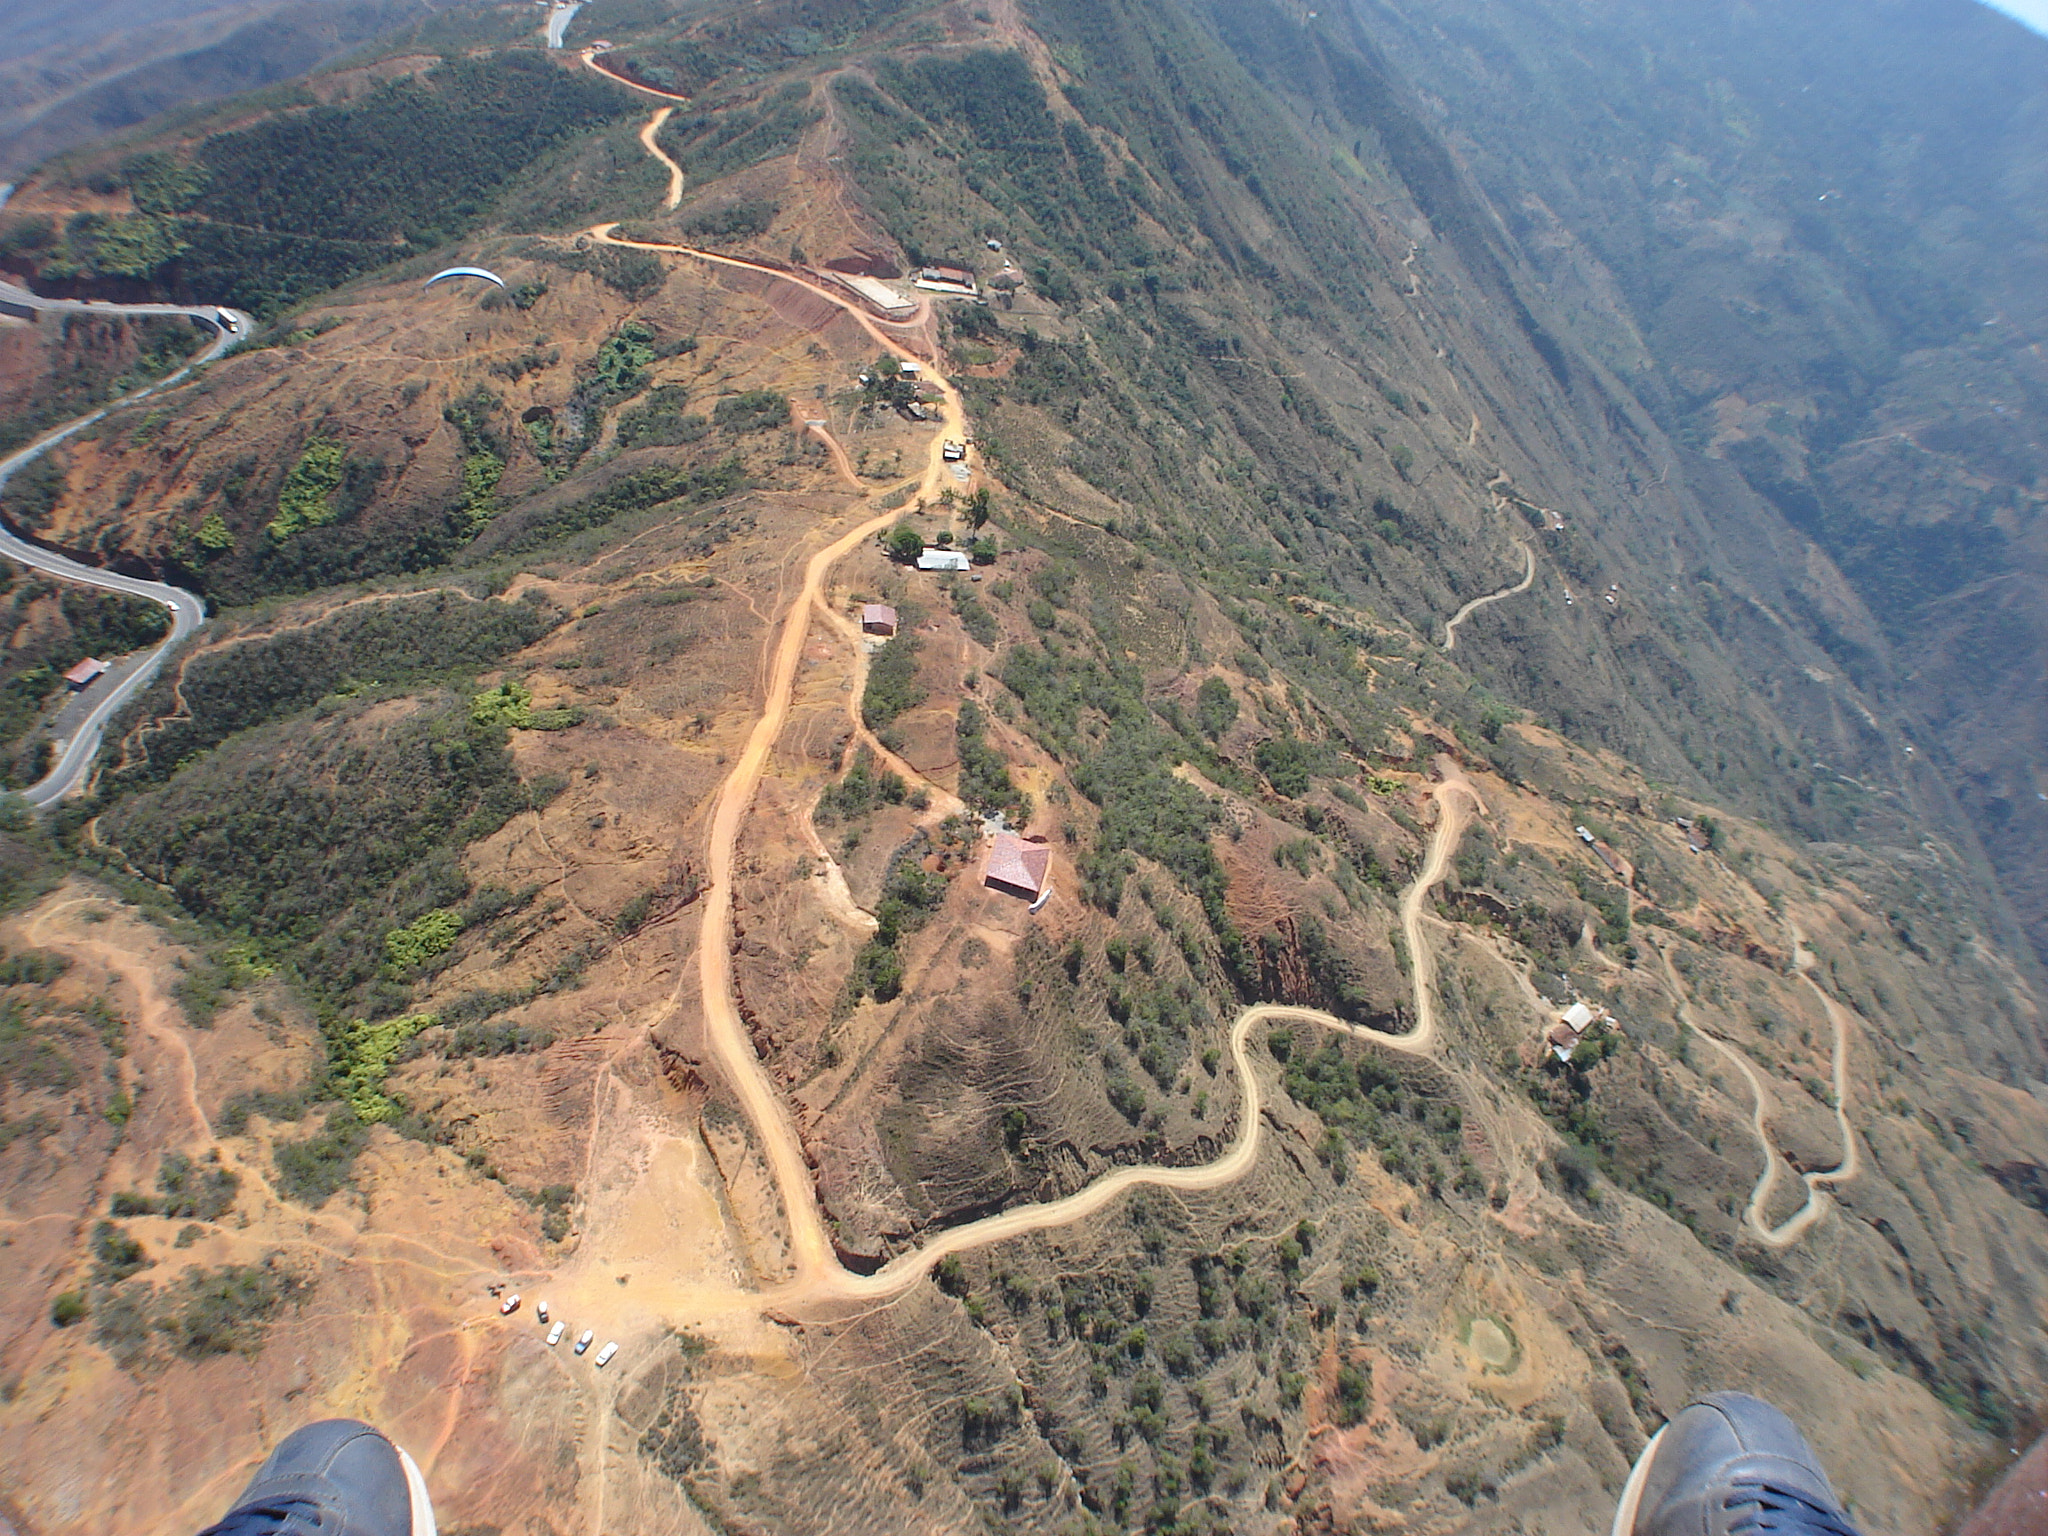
[{"x": 1814, "y": 245}]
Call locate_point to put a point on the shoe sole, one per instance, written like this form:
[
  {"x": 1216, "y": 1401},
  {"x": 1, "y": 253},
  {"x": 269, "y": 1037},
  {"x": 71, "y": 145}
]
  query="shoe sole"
[
  {"x": 1632, "y": 1490},
  {"x": 416, "y": 1486}
]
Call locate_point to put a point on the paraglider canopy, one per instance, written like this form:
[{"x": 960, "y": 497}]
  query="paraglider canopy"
[{"x": 489, "y": 277}]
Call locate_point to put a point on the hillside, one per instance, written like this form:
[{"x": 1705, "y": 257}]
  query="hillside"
[{"x": 1431, "y": 556}]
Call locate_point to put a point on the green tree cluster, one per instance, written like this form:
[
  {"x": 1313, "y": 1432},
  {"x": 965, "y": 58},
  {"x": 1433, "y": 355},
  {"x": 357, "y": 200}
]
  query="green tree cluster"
[
  {"x": 985, "y": 782},
  {"x": 863, "y": 790},
  {"x": 508, "y": 706},
  {"x": 367, "y": 1054},
  {"x": 427, "y": 937},
  {"x": 306, "y": 499},
  {"x": 483, "y": 460},
  {"x": 892, "y": 687}
]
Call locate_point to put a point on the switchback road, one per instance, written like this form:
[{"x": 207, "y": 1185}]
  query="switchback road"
[
  {"x": 188, "y": 612},
  {"x": 1528, "y": 580}
]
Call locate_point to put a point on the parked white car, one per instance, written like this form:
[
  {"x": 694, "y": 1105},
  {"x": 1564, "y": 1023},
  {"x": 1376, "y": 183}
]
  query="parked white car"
[
  {"x": 541, "y": 1311},
  {"x": 509, "y": 1305},
  {"x": 554, "y": 1335},
  {"x": 604, "y": 1356},
  {"x": 584, "y": 1342}
]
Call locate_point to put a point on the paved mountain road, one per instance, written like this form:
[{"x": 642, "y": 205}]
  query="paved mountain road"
[{"x": 187, "y": 610}]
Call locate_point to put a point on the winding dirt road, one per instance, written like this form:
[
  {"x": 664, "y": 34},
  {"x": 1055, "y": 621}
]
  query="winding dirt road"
[
  {"x": 811, "y": 1247},
  {"x": 1443, "y": 847},
  {"x": 1776, "y": 1168},
  {"x": 650, "y": 140},
  {"x": 591, "y": 57},
  {"x": 818, "y": 1276},
  {"x": 1528, "y": 580},
  {"x": 1243, "y": 1154}
]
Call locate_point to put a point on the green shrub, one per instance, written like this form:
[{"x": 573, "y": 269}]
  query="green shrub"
[
  {"x": 426, "y": 938},
  {"x": 312, "y": 1169},
  {"x": 1285, "y": 763},
  {"x": 306, "y": 500},
  {"x": 660, "y": 421},
  {"x": 67, "y": 1307},
  {"x": 863, "y": 790},
  {"x": 620, "y": 366},
  {"x": 975, "y": 617},
  {"x": 736, "y": 221},
  {"x": 892, "y": 687},
  {"x": 1215, "y": 707},
  {"x": 368, "y": 1052},
  {"x": 116, "y": 1255},
  {"x": 32, "y": 968},
  {"x": 985, "y": 782},
  {"x": 228, "y": 1311},
  {"x": 758, "y": 410},
  {"x": 195, "y": 1191},
  {"x": 1353, "y": 1401}
]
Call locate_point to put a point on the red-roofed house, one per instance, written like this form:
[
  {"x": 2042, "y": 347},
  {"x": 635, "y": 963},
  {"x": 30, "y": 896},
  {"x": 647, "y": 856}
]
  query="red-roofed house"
[
  {"x": 86, "y": 673},
  {"x": 1016, "y": 867},
  {"x": 878, "y": 618}
]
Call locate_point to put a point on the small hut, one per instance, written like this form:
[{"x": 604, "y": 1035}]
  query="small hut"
[
  {"x": 1017, "y": 868},
  {"x": 85, "y": 674}
]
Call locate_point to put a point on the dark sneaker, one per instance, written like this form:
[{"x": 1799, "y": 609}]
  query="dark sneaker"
[
  {"x": 337, "y": 1478},
  {"x": 1730, "y": 1465}
]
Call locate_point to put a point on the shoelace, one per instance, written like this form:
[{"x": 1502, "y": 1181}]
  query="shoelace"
[
  {"x": 1775, "y": 1509},
  {"x": 272, "y": 1517}
]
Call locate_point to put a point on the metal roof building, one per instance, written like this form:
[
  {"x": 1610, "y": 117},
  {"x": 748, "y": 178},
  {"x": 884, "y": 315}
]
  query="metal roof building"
[{"x": 1016, "y": 867}]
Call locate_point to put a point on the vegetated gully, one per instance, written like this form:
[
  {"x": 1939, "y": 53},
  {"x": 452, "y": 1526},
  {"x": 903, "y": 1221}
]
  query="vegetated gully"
[{"x": 188, "y": 612}]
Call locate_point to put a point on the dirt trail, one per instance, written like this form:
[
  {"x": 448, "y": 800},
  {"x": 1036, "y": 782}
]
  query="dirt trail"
[
  {"x": 834, "y": 891},
  {"x": 811, "y": 1247},
  {"x": 842, "y": 461},
  {"x": 604, "y": 235},
  {"x": 1528, "y": 580},
  {"x": 812, "y": 1250},
  {"x": 1791, "y": 1230},
  {"x": 590, "y": 58},
  {"x": 650, "y": 141},
  {"x": 898, "y": 1276},
  {"x": 1443, "y": 847},
  {"x": 152, "y": 1011},
  {"x": 944, "y": 802},
  {"x": 1243, "y": 1155}
]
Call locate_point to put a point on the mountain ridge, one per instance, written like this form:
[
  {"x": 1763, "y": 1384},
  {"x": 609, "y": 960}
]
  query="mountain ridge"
[{"x": 527, "y": 820}]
